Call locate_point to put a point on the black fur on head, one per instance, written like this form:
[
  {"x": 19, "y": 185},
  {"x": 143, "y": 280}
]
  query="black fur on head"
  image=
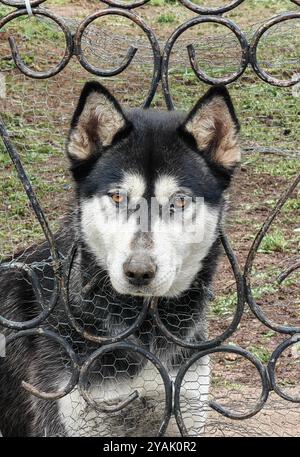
[{"x": 158, "y": 140}]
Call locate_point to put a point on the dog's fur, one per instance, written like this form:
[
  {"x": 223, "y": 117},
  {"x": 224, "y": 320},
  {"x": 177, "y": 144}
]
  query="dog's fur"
[{"x": 165, "y": 157}]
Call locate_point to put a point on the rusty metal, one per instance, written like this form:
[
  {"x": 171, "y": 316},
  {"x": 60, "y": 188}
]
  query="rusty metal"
[
  {"x": 74, "y": 369},
  {"x": 214, "y": 405},
  {"x": 14, "y": 48},
  {"x": 288, "y": 271},
  {"x": 47, "y": 308},
  {"x": 266, "y": 26},
  {"x": 192, "y": 54},
  {"x": 295, "y": 339},
  {"x": 126, "y": 346},
  {"x": 20, "y": 3},
  {"x": 257, "y": 310},
  {"x": 209, "y": 10},
  {"x": 130, "y": 54},
  {"x": 125, "y": 5}
]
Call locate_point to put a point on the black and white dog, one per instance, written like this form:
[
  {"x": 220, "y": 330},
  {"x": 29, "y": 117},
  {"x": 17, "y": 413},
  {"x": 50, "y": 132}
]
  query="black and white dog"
[{"x": 149, "y": 205}]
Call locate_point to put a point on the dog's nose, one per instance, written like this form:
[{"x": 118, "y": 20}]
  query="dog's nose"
[{"x": 139, "y": 269}]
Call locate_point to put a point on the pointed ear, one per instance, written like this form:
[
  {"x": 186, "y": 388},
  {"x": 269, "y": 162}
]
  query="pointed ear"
[
  {"x": 214, "y": 127},
  {"x": 97, "y": 121}
]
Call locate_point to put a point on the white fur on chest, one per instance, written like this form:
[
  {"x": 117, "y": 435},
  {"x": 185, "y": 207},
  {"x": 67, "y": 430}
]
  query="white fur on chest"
[{"x": 144, "y": 415}]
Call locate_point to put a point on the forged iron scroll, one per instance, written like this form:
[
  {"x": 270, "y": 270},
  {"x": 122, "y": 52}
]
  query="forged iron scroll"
[
  {"x": 125, "y": 5},
  {"x": 36, "y": 287},
  {"x": 48, "y": 235},
  {"x": 130, "y": 54},
  {"x": 206, "y": 15},
  {"x": 15, "y": 52},
  {"x": 83, "y": 381},
  {"x": 237, "y": 316},
  {"x": 62, "y": 271},
  {"x": 214, "y": 405},
  {"x": 257, "y": 310},
  {"x": 254, "y": 45},
  {"x": 20, "y": 3},
  {"x": 208, "y": 10},
  {"x": 69, "y": 351},
  {"x": 295, "y": 339},
  {"x": 192, "y": 55},
  {"x": 73, "y": 46}
]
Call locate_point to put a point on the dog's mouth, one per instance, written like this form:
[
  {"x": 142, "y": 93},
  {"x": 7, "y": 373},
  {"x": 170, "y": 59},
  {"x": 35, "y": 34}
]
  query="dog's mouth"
[
  {"x": 146, "y": 292},
  {"x": 141, "y": 293},
  {"x": 157, "y": 288}
]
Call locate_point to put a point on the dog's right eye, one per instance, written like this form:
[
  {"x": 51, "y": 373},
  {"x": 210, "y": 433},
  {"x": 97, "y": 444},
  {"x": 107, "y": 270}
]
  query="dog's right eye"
[{"x": 118, "y": 198}]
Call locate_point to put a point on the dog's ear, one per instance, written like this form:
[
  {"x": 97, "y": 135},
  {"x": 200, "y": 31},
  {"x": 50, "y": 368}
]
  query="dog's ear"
[
  {"x": 214, "y": 127},
  {"x": 97, "y": 122}
]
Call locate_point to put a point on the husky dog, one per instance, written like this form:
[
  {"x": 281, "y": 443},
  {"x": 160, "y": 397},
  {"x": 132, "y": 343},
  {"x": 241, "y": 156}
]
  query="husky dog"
[{"x": 169, "y": 170}]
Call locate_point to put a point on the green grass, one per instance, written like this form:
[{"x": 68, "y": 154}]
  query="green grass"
[
  {"x": 156, "y": 2},
  {"x": 262, "y": 353},
  {"x": 292, "y": 205},
  {"x": 224, "y": 305},
  {"x": 4, "y": 10},
  {"x": 273, "y": 242},
  {"x": 259, "y": 291},
  {"x": 218, "y": 381},
  {"x": 269, "y": 334},
  {"x": 276, "y": 167},
  {"x": 166, "y": 18}
]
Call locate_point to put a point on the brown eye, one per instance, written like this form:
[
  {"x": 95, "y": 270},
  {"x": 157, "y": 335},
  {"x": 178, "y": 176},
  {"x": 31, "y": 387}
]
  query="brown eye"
[
  {"x": 181, "y": 202},
  {"x": 118, "y": 198}
]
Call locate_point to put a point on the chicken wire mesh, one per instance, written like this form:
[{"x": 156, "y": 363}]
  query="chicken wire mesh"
[{"x": 250, "y": 353}]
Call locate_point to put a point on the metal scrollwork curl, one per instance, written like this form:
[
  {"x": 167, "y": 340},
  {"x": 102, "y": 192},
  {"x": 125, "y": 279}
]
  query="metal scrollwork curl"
[
  {"x": 236, "y": 318},
  {"x": 20, "y": 3},
  {"x": 14, "y": 48},
  {"x": 130, "y": 54},
  {"x": 257, "y": 310},
  {"x": 261, "y": 369},
  {"x": 125, "y": 5},
  {"x": 47, "y": 308},
  {"x": 266, "y": 26},
  {"x": 62, "y": 268},
  {"x": 126, "y": 346},
  {"x": 209, "y": 10},
  {"x": 69, "y": 351},
  {"x": 295, "y": 339},
  {"x": 192, "y": 54}
]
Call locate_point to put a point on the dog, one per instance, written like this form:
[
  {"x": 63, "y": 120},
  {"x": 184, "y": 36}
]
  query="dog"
[{"x": 149, "y": 204}]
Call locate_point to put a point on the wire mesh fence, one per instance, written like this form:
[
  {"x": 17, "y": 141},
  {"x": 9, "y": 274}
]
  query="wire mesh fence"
[{"x": 119, "y": 357}]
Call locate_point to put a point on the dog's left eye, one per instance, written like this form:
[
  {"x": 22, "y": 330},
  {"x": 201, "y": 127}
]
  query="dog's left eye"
[
  {"x": 180, "y": 202},
  {"x": 118, "y": 198}
]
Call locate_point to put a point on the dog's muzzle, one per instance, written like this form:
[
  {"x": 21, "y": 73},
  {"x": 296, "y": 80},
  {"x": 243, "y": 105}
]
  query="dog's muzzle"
[{"x": 139, "y": 269}]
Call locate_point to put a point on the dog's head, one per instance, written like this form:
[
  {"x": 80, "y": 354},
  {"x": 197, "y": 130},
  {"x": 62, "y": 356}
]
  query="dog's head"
[{"x": 150, "y": 186}]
